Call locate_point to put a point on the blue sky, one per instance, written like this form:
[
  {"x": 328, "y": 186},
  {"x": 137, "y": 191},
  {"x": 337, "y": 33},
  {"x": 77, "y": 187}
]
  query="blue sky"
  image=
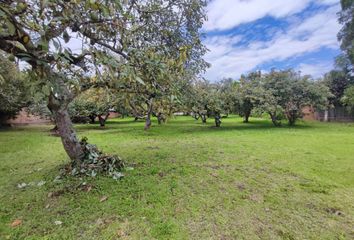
[{"x": 246, "y": 35}]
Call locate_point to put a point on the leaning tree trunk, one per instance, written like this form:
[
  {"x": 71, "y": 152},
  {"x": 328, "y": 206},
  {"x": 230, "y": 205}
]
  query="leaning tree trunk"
[
  {"x": 59, "y": 108},
  {"x": 149, "y": 112},
  {"x": 275, "y": 121},
  {"x": 203, "y": 117},
  {"x": 103, "y": 120}
]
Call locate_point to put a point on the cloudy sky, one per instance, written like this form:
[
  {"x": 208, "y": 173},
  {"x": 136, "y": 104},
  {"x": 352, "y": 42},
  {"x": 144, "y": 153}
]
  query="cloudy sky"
[{"x": 246, "y": 35}]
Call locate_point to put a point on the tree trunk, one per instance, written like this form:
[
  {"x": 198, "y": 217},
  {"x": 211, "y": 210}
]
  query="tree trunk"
[
  {"x": 149, "y": 112},
  {"x": 160, "y": 118},
  {"x": 103, "y": 120},
  {"x": 217, "y": 120},
  {"x": 291, "y": 118},
  {"x": 72, "y": 146},
  {"x": 326, "y": 115},
  {"x": 203, "y": 117},
  {"x": 68, "y": 135},
  {"x": 54, "y": 131},
  {"x": 275, "y": 121},
  {"x": 92, "y": 119},
  {"x": 246, "y": 117}
]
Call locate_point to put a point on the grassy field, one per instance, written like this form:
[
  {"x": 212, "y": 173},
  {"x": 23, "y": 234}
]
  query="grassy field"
[{"x": 185, "y": 181}]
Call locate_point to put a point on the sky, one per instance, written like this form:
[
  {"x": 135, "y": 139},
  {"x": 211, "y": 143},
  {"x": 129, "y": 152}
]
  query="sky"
[{"x": 247, "y": 35}]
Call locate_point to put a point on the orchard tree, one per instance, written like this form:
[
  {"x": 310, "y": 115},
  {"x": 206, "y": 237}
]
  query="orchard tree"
[
  {"x": 68, "y": 42},
  {"x": 199, "y": 99},
  {"x": 206, "y": 101},
  {"x": 228, "y": 94},
  {"x": 246, "y": 95},
  {"x": 91, "y": 104},
  {"x": 14, "y": 93},
  {"x": 285, "y": 93}
]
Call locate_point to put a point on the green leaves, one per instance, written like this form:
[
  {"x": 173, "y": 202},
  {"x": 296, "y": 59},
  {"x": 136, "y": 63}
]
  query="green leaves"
[{"x": 17, "y": 45}]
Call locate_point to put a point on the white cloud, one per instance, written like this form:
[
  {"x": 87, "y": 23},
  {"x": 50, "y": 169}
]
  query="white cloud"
[
  {"x": 316, "y": 70},
  {"x": 226, "y": 14},
  {"x": 230, "y": 60}
]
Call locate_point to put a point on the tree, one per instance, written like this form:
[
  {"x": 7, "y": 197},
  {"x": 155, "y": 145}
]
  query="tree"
[
  {"x": 109, "y": 35},
  {"x": 348, "y": 98},
  {"x": 285, "y": 93},
  {"x": 346, "y": 34},
  {"x": 337, "y": 81},
  {"x": 246, "y": 97},
  {"x": 206, "y": 101},
  {"x": 14, "y": 93},
  {"x": 199, "y": 99},
  {"x": 91, "y": 104}
]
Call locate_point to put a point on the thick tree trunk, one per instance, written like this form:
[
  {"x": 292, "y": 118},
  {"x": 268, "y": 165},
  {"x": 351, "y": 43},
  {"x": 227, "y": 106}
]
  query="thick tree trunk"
[
  {"x": 68, "y": 135},
  {"x": 149, "y": 112},
  {"x": 71, "y": 144}
]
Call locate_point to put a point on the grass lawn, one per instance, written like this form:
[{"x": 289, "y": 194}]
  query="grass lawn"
[{"x": 189, "y": 181}]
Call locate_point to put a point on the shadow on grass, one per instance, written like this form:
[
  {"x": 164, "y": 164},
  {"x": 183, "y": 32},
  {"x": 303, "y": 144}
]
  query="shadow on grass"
[{"x": 182, "y": 126}]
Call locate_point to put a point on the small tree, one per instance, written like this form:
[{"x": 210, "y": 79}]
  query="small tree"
[
  {"x": 246, "y": 95},
  {"x": 92, "y": 104}
]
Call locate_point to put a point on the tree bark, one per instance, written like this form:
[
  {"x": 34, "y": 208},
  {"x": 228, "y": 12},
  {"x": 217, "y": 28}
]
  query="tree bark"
[
  {"x": 217, "y": 120},
  {"x": 203, "y": 117},
  {"x": 246, "y": 117},
  {"x": 160, "y": 118},
  {"x": 103, "y": 120},
  {"x": 67, "y": 133},
  {"x": 149, "y": 112},
  {"x": 58, "y": 105},
  {"x": 275, "y": 121}
]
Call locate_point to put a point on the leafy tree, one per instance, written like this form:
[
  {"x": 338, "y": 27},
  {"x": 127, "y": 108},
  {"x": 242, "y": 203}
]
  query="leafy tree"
[
  {"x": 14, "y": 93},
  {"x": 337, "y": 81},
  {"x": 348, "y": 98},
  {"x": 346, "y": 34},
  {"x": 91, "y": 104},
  {"x": 120, "y": 37},
  {"x": 206, "y": 101},
  {"x": 199, "y": 99},
  {"x": 285, "y": 93},
  {"x": 246, "y": 95},
  {"x": 228, "y": 94}
]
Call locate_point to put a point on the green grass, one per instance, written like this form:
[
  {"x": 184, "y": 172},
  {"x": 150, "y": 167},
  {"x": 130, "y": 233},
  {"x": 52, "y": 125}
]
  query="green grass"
[{"x": 190, "y": 181}]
